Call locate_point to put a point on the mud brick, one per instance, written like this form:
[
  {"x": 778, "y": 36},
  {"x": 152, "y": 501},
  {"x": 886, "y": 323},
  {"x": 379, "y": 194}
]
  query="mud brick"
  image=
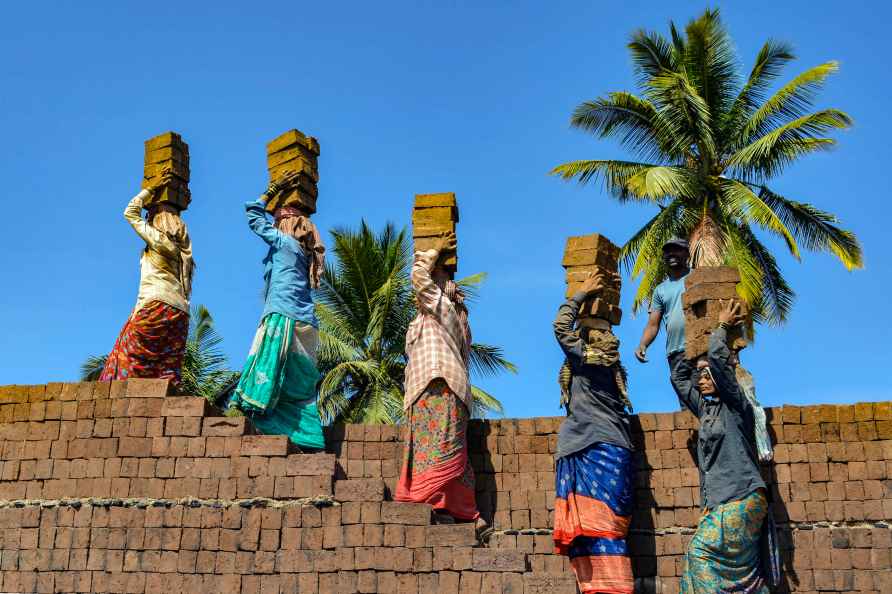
[
  {"x": 145, "y": 388},
  {"x": 135, "y": 447},
  {"x": 185, "y": 406},
  {"x": 416, "y": 514},
  {"x": 848, "y": 432},
  {"x": 264, "y": 445},
  {"x": 394, "y": 535},
  {"x": 293, "y": 138},
  {"x": 603, "y": 309},
  {"x": 359, "y": 490}
]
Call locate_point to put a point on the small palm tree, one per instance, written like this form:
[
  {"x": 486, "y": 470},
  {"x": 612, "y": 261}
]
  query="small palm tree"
[
  {"x": 204, "y": 371},
  {"x": 707, "y": 144},
  {"x": 365, "y": 304}
]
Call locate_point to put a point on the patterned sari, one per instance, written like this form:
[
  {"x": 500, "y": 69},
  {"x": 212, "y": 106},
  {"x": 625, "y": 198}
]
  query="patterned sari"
[
  {"x": 435, "y": 463},
  {"x": 277, "y": 388},
  {"x": 592, "y": 514},
  {"x": 724, "y": 555},
  {"x": 151, "y": 345}
]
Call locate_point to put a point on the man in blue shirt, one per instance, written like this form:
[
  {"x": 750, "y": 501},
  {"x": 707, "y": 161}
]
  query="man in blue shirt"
[{"x": 666, "y": 305}]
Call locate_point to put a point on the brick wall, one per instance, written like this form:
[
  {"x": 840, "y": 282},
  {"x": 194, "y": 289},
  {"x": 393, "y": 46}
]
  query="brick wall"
[{"x": 121, "y": 488}]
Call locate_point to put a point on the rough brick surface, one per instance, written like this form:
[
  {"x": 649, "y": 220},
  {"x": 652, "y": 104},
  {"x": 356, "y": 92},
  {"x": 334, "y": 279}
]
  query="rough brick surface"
[{"x": 184, "y": 500}]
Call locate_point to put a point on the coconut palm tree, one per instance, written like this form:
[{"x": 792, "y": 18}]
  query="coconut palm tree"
[
  {"x": 706, "y": 144},
  {"x": 204, "y": 371},
  {"x": 364, "y": 305}
]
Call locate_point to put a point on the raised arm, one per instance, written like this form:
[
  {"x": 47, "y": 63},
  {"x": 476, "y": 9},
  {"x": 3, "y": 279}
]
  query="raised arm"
[
  {"x": 257, "y": 221},
  {"x": 427, "y": 293},
  {"x": 154, "y": 238},
  {"x": 719, "y": 357},
  {"x": 682, "y": 377},
  {"x": 565, "y": 327}
]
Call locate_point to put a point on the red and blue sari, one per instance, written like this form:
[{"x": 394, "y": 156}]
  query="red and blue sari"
[{"x": 592, "y": 513}]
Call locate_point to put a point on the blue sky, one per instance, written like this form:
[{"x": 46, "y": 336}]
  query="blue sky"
[{"x": 405, "y": 98}]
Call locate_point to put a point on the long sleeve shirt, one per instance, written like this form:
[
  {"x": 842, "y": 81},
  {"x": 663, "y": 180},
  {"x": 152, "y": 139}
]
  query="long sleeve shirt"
[
  {"x": 596, "y": 412},
  {"x": 437, "y": 341},
  {"x": 286, "y": 269},
  {"x": 726, "y": 448},
  {"x": 156, "y": 283}
]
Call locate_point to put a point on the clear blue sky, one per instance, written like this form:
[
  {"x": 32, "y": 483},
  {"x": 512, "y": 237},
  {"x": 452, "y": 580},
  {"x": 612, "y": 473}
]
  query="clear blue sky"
[{"x": 405, "y": 98}]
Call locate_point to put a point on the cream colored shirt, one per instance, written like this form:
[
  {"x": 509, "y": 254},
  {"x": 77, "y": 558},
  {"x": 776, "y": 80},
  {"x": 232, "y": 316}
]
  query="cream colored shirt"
[{"x": 155, "y": 284}]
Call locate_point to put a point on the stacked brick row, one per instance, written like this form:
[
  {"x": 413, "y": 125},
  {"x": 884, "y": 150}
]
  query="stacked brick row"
[
  {"x": 364, "y": 546},
  {"x": 168, "y": 153},
  {"x": 432, "y": 216},
  {"x": 706, "y": 289},
  {"x": 588, "y": 256},
  {"x": 117, "y": 487},
  {"x": 294, "y": 152},
  {"x": 126, "y": 439},
  {"x": 832, "y": 472}
]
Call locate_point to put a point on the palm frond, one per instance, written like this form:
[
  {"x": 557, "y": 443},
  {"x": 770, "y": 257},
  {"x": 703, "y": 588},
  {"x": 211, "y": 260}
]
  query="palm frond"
[
  {"x": 92, "y": 367},
  {"x": 685, "y": 110},
  {"x": 710, "y": 63},
  {"x": 762, "y": 283},
  {"x": 483, "y": 402},
  {"x": 615, "y": 175},
  {"x": 489, "y": 360},
  {"x": 790, "y": 102},
  {"x": 742, "y": 205},
  {"x": 815, "y": 229},
  {"x": 635, "y": 122},
  {"x": 770, "y": 61},
  {"x": 768, "y": 155},
  {"x": 651, "y": 54}
]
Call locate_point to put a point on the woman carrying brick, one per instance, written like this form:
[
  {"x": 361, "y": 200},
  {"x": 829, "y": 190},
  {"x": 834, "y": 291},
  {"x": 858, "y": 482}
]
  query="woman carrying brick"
[
  {"x": 277, "y": 387},
  {"x": 724, "y": 554},
  {"x": 153, "y": 341},
  {"x": 437, "y": 400},
  {"x": 593, "y": 470}
]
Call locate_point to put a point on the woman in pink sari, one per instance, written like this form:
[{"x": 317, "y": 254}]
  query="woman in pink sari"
[{"x": 437, "y": 402}]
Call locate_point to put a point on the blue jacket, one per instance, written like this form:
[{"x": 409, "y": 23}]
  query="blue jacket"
[{"x": 286, "y": 270}]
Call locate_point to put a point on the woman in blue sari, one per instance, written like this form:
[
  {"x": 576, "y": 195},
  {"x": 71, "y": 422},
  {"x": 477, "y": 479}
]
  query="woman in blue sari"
[{"x": 278, "y": 385}]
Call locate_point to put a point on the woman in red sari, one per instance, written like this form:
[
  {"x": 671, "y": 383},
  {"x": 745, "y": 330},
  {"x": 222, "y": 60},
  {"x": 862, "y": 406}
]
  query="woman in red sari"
[
  {"x": 153, "y": 341},
  {"x": 437, "y": 401}
]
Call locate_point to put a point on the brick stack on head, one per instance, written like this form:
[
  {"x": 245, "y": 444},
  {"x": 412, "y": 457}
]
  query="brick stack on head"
[
  {"x": 168, "y": 152},
  {"x": 705, "y": 290},
  {"x": 294, "y": 152},
  {"x": 432, "y": 215},
  {"x": 593, "y": 255}
]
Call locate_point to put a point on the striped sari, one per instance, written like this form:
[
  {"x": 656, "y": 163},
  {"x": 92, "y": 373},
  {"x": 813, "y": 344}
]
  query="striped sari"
[{"x": 592, "y": 514}]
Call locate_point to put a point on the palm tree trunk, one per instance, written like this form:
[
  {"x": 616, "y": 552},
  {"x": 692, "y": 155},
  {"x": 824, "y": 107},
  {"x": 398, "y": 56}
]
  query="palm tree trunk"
[{"x": 706, "y": 243}]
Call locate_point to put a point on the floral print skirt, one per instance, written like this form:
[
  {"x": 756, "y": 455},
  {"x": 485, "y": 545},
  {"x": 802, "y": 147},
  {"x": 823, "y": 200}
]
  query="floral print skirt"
[
  {"x": 724, "y": 555},
  {"x": 152, "y": 344},
  {"x": 592, "y": 512},
  {"x": 436, "y": 469},
  {"x": 277, "y": 388}
]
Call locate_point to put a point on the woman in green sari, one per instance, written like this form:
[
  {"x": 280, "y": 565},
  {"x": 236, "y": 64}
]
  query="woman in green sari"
[{"x": 277, "y": 388}]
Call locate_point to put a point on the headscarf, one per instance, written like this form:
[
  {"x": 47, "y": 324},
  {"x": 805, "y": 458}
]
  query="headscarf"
[
  {"x": 457, "y": 297},
  {"x": 172, "y": 225},
  {"x": 601, "y": 347},
  {"x": 295, "y": 222}
]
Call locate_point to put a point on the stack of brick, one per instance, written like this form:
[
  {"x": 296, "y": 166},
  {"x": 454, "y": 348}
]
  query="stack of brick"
[
  {"x": 705, "y": 290},
  {"x": 294, "y": 152},
  {"x": 833, "y": 474},
  {"x": 433, "y": 215},
  {"x": 594, "y": 255},
  {"x": 168, "y": 153},
  {"x": 120, "y": 488}
]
